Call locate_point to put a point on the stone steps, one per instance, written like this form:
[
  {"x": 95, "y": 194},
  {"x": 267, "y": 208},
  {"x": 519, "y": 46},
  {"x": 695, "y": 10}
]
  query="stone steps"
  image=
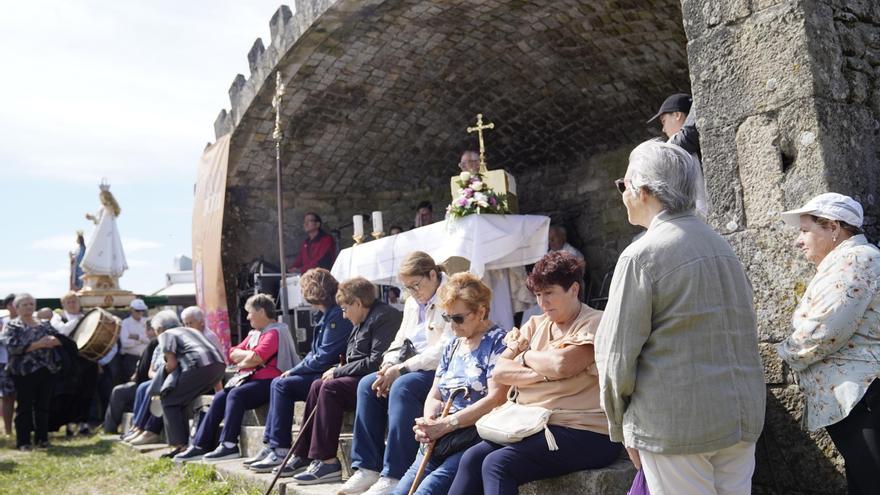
[{"x": 612, "y": 480}]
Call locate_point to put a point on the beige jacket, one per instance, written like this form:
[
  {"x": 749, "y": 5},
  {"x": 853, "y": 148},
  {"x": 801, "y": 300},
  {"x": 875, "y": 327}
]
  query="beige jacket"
[
  {"x": 439, "y": 334},
  {"x": 677, "y": 348}
]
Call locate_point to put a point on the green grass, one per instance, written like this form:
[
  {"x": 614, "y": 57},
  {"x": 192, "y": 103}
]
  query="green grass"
[{"x": 94, "y": 465}]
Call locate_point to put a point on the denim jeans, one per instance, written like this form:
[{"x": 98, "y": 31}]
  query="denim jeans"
[
  {"x": 405, "y": 403},
  {"x": 284, "y": 392},
  {"x": 437, "y": 478}
]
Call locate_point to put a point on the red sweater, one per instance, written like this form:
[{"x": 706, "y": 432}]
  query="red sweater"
[{"x": 319, "y": 252}]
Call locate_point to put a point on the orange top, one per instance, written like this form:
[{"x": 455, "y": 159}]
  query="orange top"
[{"x": 577, "y": 395}]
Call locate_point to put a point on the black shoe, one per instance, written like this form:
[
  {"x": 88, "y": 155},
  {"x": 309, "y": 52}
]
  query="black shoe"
[
  {"x": 193, "y": 453},
  {"x": 293, "y": 467},
  {"x": 170, "y": 455},
  {"x": 25, "y": 448},
  {"x": 222, "y": 453},
  {"x": 44, "y": 444}
]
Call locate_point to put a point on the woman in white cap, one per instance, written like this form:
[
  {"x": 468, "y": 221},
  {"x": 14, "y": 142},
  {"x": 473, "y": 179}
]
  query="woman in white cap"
[{"x": 835, "y": 346}]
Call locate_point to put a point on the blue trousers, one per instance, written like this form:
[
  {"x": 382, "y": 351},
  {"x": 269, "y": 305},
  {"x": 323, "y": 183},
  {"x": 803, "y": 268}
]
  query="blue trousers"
[
  {"x": 436, "y": 480},
  {"x": 405, "y": 403},
  {"x": 229, "y": 406},
  {"x": 284, "y": 392},
  {"x": 492, "y": 469},
  {"x": 143, "y": 419}
]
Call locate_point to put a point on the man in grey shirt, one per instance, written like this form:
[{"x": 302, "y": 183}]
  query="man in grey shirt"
[{"x": 677, "y": 349}]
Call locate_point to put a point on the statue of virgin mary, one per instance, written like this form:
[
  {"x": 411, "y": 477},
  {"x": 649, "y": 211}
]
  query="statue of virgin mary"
[{"x": 104, "y": 259}]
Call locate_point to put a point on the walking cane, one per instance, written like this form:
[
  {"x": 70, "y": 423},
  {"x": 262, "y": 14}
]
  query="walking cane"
[
  {"x": 430, "y": 450},
  {"x": 290, "y": 452}
]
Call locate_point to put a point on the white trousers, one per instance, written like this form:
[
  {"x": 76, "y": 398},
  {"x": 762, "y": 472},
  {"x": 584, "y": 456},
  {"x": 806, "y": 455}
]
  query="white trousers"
[{"x": 723, "y": 472}]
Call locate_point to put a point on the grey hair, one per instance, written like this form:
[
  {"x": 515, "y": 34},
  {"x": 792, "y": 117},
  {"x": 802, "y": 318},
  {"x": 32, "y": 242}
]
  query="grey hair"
[
  {"x": 668, "y": 172},
  {"x": 20, "y": 297},
  {"x": 261, "y": 301},
  {"x": 164, "y": 320},
  {"x": 193, "y": 312}
]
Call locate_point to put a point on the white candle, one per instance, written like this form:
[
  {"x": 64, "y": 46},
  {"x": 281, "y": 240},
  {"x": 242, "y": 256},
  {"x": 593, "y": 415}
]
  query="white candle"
[
  {"x": 358, "y": 221},
  {"x": 377, "y": 222}
]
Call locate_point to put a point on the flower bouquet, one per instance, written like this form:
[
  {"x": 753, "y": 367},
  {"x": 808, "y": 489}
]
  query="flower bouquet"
[{"x": 475, "y": 197}]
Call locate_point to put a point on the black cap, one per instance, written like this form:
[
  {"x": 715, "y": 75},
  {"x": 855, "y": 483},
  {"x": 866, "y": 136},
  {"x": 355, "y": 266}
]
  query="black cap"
[
  {"x": 8, "y": 299},
  {"x": 679, "y": 102}
]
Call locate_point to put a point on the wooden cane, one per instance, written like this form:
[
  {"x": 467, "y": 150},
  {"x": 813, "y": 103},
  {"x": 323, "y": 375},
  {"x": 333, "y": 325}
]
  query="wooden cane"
[
  {"x": 430, "y": 450},
  {"x": 290, "y": 452}
]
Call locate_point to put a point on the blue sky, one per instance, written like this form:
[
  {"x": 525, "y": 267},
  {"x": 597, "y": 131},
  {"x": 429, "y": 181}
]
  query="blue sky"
[{"x": 117, "y": 89}]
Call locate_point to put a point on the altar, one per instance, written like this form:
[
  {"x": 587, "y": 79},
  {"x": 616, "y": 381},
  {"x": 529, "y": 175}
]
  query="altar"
[{"x": 491, "y": 243}]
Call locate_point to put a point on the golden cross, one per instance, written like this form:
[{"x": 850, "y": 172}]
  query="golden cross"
[
  {"x": 276, "y": 103},
  {"x": 479, "y": 130}
]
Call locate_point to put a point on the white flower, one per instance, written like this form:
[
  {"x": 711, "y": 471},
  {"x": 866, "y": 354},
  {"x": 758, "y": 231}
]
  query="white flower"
[
  {"x": 477, "y": 186},
  {"x": 483, "y": 204},
  {"x": 464, "y": 176},
  {"x": 481, "y": 198}
]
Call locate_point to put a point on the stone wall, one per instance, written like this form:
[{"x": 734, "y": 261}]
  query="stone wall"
[{"x": 787, "y": 94}]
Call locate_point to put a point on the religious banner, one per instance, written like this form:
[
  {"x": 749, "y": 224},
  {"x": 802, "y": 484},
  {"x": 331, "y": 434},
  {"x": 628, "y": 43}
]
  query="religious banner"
[{"x": 207, "y": 232}]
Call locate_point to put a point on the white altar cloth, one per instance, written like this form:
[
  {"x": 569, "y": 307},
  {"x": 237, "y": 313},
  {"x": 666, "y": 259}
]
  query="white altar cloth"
[{"x": 489, "y": 242}]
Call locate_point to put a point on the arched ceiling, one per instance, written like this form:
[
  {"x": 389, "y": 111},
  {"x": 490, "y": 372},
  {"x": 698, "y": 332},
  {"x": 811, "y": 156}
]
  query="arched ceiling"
[{"x": 380, "y": 91}]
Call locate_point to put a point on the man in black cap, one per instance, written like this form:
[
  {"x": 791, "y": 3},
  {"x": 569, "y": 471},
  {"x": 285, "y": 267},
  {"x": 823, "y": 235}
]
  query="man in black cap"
[{"x": 679, "y": 122}]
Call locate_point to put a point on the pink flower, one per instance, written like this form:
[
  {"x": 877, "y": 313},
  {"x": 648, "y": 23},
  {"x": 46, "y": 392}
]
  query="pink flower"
[
  {"x": 463, "y": 202},
  {"x": 493, "y": 201},
  {"x": 468, "y": 192}
]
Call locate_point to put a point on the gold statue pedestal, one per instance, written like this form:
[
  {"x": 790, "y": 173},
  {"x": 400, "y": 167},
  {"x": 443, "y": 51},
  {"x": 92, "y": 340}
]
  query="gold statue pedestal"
[{"x": 102, "y": 291}]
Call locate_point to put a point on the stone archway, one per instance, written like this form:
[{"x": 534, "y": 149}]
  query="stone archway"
[{"x": 381, "y": 90}]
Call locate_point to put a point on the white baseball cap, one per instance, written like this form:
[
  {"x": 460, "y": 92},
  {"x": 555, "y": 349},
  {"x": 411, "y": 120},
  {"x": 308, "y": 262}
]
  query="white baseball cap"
[
  {"x": 832, "y": 206},
  {"x": 138, "y": 304}
]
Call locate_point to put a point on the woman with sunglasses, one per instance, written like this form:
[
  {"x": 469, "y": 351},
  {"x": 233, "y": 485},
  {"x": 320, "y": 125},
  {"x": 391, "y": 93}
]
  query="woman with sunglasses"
[
  {"x": 467, "y": 363},
  {"x": 392, "y": 397},
  {"x": 551, "y": 363}
]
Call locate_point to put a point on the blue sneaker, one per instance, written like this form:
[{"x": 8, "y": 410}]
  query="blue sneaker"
[
  {"x": 320, "y": 472},
  {"x": 222, "y": 453},
  {"x": 294, "y": 466},
  {"x": 193, "y": 453}
]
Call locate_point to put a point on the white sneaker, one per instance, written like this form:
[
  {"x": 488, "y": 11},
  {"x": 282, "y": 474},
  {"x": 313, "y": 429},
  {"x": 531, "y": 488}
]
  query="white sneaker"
[
  {"x": 360, "y": 481},
  {"x": 384, "y": 486}
]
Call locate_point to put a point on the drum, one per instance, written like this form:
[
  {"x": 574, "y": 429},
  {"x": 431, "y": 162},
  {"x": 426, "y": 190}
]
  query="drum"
[
  {"x": 294, "y": 293},
  {"x": 96, "y": 334}
]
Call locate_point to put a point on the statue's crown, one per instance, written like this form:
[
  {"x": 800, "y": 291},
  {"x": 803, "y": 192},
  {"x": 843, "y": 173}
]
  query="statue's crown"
[{"x": 104, "y": 185}]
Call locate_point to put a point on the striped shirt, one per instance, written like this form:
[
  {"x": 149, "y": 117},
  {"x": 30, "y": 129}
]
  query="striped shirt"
[{"x": 191, "y": 347}]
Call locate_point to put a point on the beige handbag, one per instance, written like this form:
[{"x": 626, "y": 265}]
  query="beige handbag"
[{"x": 511, "y": 422}]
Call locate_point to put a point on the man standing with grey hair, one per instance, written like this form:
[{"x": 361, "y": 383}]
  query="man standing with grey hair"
[{"x": 680, "y": 376}]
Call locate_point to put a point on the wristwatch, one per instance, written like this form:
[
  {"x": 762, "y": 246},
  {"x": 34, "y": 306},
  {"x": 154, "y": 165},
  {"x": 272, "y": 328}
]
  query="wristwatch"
[
  {"x": 453, "y": 421},
  {"x": 403, "y": 369},
  {"x": 522, "y": 358}
]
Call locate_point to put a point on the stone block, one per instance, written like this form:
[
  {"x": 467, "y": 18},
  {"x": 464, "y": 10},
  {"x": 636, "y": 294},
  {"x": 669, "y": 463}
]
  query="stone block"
[{"x": 615, "y": 479}]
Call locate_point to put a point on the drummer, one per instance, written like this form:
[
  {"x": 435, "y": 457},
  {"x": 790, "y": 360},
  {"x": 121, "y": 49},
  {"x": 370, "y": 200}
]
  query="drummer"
[
  {"x": 65, "y": 323},
  {"x": 133, "y": 339}
]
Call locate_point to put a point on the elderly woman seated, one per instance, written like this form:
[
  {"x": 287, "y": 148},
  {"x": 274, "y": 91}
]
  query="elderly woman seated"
[
  {"x": 464, "y": 378},
  {"x": 392, "y": 397},
  {"x": 145, "y": 427},
  {"x": 330, "y": 337},
  {"x": 268, "y": 347},
  {"x": 550, "y": 362},
  {"x": 374, "y": 325}
]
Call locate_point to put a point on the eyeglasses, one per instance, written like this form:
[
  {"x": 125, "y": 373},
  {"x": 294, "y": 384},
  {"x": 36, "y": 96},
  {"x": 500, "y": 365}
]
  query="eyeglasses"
[
  {"x": 621, "y": 185},
  {"x": 414, "y": 288},
  {"x": 457, "y": 319}
]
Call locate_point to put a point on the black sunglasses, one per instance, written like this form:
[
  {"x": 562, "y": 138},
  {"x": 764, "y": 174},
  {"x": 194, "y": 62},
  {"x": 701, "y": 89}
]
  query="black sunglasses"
[
  {"x": 621, "y": 185},
  {"x": 457, "y": 319}
]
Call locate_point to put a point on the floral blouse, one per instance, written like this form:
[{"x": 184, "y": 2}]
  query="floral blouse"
[
  {"x": 835, "y": 346},
  {"x": 472, "y": 369},
  {"x": 17, "y": 336}
]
